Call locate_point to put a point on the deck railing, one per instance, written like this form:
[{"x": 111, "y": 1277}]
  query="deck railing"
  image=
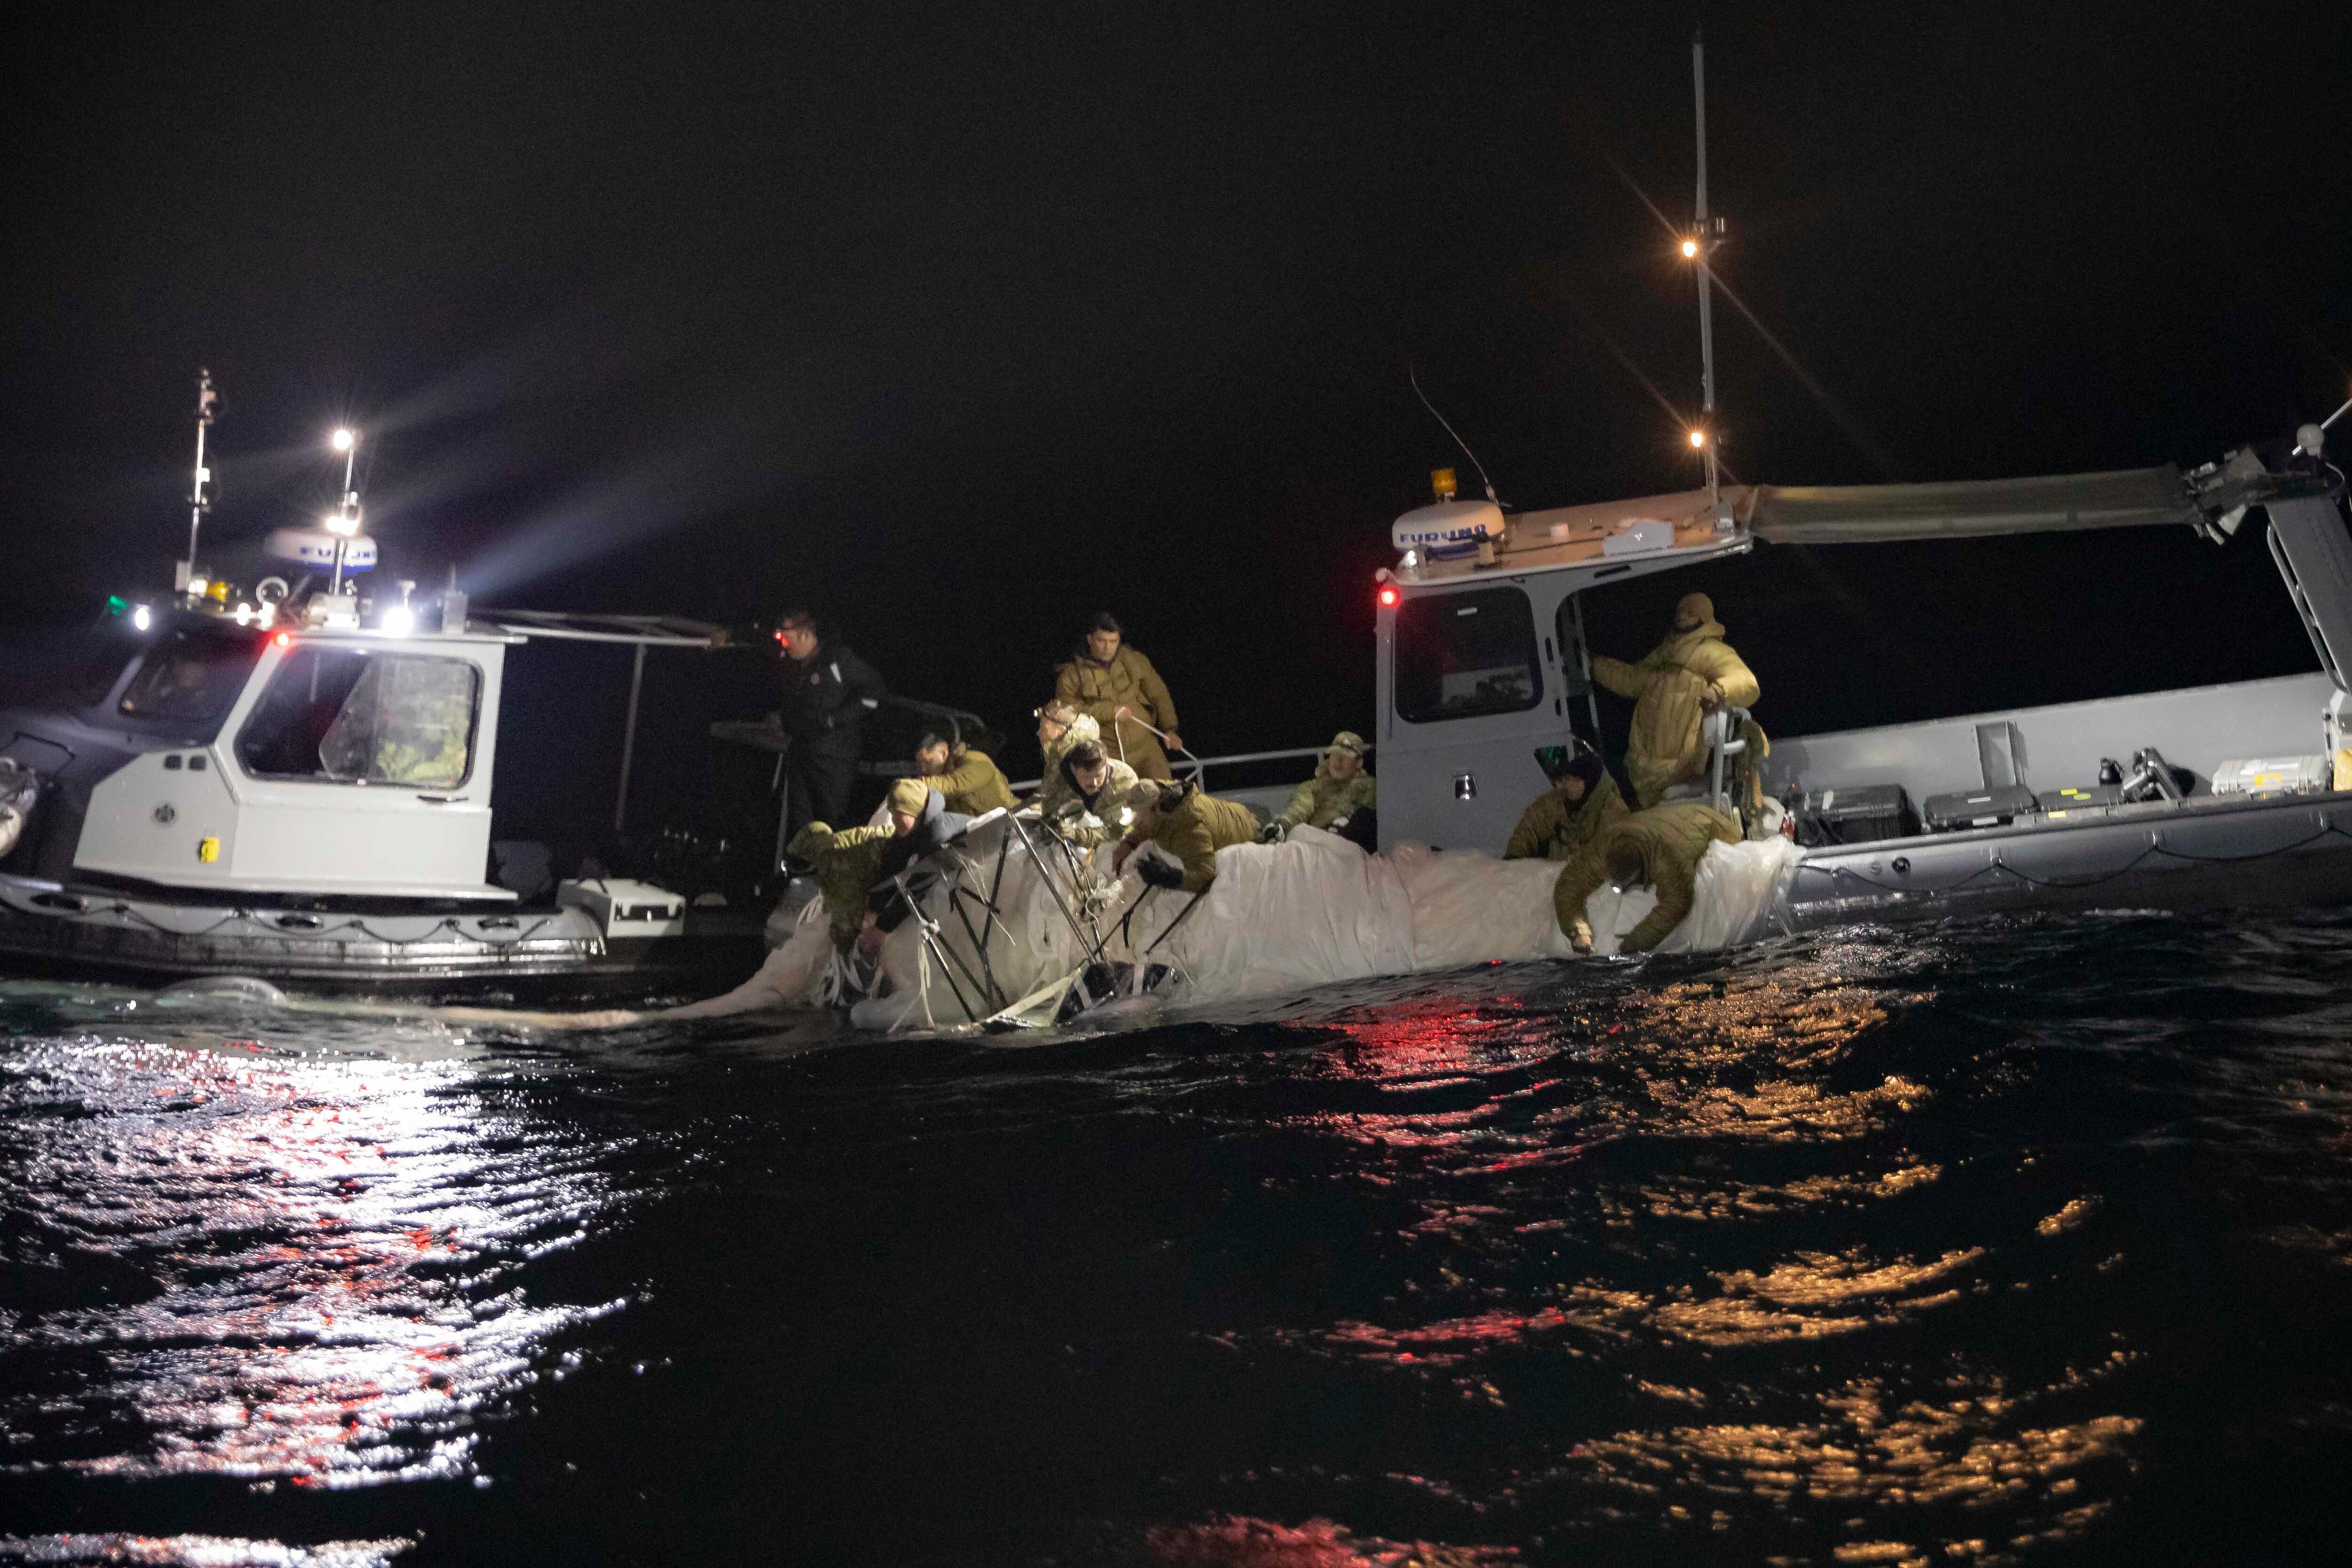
[{"x": 1198, "y": 766}]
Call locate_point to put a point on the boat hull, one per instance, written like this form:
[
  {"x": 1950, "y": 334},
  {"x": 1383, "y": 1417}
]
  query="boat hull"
[
  {"x": 2210, "y": 853},
  {"x": 548, "y": 953}
]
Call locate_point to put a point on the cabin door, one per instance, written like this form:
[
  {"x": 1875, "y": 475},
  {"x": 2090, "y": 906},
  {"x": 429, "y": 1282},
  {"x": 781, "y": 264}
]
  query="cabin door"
[
  {"x": 1472, "y": 686},
  {"x": 363, "y": 769}
]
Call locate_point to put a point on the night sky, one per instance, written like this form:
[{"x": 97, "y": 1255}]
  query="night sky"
[{"x": 958, "y": 322}]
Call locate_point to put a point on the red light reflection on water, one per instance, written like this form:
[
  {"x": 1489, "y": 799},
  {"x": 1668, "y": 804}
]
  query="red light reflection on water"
[
  {"x": 1447, "y": 1343},
  {"x": 1232, "y": 1541}
]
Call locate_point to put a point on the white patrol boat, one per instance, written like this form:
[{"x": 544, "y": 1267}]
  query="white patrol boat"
[
  {"x": 2213, "y": 795},
  {"x": 2237, "y": 794},
  {"x": 293, "y": 782}
]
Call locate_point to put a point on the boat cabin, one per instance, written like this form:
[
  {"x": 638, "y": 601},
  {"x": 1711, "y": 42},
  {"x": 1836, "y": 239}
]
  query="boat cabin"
[
  {"x": 1481, "y": 644},
  {"x": 1482, "y": 658},
  {"x": 298, "y": 760}
]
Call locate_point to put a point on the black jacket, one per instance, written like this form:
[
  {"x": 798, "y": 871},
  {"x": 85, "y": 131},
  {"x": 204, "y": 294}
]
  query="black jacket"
[{"x": 826, "y": 700}]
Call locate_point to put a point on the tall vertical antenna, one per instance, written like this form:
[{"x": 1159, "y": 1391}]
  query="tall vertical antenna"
[
  {"x": 198, "y": 504},
  {"x": 1704, "y": 437}
]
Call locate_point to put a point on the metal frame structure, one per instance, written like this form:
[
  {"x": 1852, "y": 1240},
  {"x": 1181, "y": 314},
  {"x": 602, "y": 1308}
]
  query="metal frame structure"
[{"x": 641, "y": 632}]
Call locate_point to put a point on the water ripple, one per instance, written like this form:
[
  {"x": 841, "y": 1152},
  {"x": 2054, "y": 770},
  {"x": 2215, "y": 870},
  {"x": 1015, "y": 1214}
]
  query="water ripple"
[{"x": 243, "y": 1264}]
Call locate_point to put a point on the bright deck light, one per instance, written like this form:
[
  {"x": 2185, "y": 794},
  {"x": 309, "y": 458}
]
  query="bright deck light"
[
  {"x": 1690, "y": 250},
  {"x": 340, "y": 523},
  {"x": 344, "y": 440},
  {"x": 1697, "y": 439},
  {"x": 143, "y": 618},
  {"x": 400, "y": 620}
]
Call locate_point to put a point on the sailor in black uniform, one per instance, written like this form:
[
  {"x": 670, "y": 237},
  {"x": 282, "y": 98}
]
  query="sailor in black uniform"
[{"x": 828, "y": 693}]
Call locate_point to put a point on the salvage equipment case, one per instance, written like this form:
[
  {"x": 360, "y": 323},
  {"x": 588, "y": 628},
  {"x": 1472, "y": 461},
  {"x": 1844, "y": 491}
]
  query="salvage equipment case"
[
  {"x": 2274, "y": 776},
  {"x": 1853, "y": 815},
  {"x": 2074, "y": 803},
  {"x": 1966, "y": 809}
]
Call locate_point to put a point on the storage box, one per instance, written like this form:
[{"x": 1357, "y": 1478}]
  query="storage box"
[
  {"x": 1853, "y": 815},
  {"x": 2075, "y": 802},
  {"x": 2274, "y": 776},
  {"x": 1967, "y": 809},
  {"x": 625, "y": 908}
]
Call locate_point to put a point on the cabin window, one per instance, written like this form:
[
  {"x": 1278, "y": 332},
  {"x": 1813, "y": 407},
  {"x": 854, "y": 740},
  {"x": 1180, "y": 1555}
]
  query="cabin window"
[
  {"x": 1462, "y": 654},
  {"x": 188, "y": 675},
  {"x": 346, "y": 715}
]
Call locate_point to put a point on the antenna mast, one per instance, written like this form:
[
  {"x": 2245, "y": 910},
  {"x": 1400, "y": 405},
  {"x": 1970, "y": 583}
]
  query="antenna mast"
[
  {"x": 198, "y": 503},
  {"x": 1704, "y": 242}
]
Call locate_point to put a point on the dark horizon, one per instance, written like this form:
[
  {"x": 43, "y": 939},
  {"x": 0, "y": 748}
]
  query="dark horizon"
[{"x": 960, "y": 329}]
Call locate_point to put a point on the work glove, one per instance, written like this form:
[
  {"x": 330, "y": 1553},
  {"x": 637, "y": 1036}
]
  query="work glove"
[
  {"x": 1579, "y": 936},
  {"x": 1157, "y": 873},
  {"x": 1274, "y": 833}
]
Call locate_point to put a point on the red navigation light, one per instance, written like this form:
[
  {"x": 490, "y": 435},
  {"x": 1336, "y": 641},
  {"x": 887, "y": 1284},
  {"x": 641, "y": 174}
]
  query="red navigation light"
[
  {"x": 284, "y": 639},
  {"x": 1389, "y": 597}
]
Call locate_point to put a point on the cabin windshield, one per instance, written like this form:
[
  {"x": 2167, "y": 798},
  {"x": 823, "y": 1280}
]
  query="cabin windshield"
[
  {"x": 189, "y": 677},
  {"x": 1459, "y": 655}
]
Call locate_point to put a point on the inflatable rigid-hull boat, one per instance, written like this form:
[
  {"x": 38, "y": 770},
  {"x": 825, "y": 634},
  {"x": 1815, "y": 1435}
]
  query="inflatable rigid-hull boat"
[{"x": 49, "y": 929}]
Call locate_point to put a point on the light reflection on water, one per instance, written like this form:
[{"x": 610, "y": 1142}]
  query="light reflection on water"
[
  {"x": 1634, "y": 1136},
  {"x": 199, "y": 1552},
  {"x": 1874, "y": 1247},
  {"x": 273, "y": 1267}
]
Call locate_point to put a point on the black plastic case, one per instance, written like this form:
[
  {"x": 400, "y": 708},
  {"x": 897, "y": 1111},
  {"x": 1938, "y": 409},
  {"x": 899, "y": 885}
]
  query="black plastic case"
[
  {"x": 1858, "y": 816},
  {"x": 2075, "y": 802},
  {"x": 1967, "y": 809}
]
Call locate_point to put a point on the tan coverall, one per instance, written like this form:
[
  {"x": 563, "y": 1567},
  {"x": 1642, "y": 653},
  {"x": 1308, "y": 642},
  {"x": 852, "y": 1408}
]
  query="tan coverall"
[
  {"x": 1669, "y": 687},
  {"x": 1553, "y": 830},
  {"x": 1659, "y": 848},
  {"x": 1128, "y": 681},
  {"x": 973, "y": 784},
  {"x": 1198, "y": 827}
]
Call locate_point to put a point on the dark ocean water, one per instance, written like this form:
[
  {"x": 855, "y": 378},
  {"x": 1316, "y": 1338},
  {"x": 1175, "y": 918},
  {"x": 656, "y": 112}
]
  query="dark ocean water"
[{"x": 2027, "y": 1241}]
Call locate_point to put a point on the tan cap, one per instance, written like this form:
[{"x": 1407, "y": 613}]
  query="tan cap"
[
  {"x": 1346, "y": 740},
  {"x": 1693, "y": 610},
  {"x": 910, "y": 795}
]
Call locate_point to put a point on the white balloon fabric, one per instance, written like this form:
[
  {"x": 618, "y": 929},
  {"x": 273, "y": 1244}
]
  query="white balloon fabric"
[{"x": 1309, "y": 911}]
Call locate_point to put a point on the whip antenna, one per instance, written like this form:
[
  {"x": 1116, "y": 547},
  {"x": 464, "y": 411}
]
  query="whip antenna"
[
  {"x": 1695, "y": 248},
  {"x": 1423, "y": 396},
  {"x": 198, "y": 502}
]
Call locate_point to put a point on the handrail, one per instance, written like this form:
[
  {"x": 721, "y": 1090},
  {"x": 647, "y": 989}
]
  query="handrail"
[
  {"x": 958, "y": 717},
  {"x": 1721, "y": 729},
  {"x": 645, "y": 631},
  {"x": 1208, "y": 762}
]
